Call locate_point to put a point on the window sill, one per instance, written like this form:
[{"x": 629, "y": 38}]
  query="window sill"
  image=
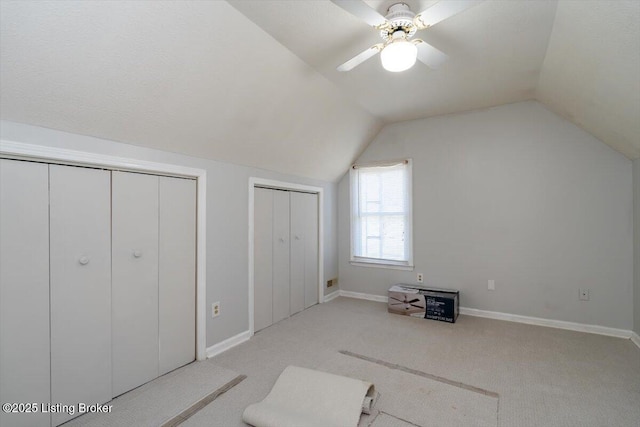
[{"x": 382, "y": 265}]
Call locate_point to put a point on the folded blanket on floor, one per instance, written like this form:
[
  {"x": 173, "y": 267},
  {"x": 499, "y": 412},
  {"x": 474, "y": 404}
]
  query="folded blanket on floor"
[{"x": 306, "y": 398}]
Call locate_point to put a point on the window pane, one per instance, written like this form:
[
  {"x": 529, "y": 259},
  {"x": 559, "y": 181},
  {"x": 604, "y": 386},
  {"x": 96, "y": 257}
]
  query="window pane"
[
  {"x": 372, "y": 207},
  {"x": 392, "y": 191},
  {"x": 372, "y": 248},
  {"x": 393, "y": 237},
  {"x": 370, "y": 192},
  {"x": 379, "y": 216},
  {"x": 372, "y": 226}
]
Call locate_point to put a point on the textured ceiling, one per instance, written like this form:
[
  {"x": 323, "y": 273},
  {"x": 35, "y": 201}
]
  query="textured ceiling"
[
  {"x": 197, "y": 78},
  {"x": 581, "y": 58},
  {"x": 495, "y": 49},
  {"x": 254, "y": 82},
  {"x": 591, "y": 73}
]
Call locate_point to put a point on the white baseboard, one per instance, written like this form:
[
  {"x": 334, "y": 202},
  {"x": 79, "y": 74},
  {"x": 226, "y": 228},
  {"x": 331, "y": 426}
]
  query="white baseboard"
[
  {"x": 635, "y": 338},
  {"x": 560, "y": 324},
  {"x": 227, "y": 344},
  {"x": 332, "y": 295},
  {"x": 579, "y": 327},
  {"x": 358, "y": 295}
]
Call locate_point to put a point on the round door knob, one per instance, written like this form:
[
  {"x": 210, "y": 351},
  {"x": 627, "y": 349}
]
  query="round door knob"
[
  {"x": 137, "y": 254},
  {"x": 83, "y": 260}
]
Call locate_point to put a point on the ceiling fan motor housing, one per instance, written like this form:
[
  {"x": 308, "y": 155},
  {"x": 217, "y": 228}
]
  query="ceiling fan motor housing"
[{"x": 400, "y": 17}]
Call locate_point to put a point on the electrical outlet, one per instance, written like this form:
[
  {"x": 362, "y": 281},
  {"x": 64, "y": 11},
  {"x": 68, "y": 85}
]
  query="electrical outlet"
[
  {"x": 215, "y": 309},
  {"x": 420, "y": 278},
  {"x": 584, "y": 294},
  {"x": 491, "y": 285}
]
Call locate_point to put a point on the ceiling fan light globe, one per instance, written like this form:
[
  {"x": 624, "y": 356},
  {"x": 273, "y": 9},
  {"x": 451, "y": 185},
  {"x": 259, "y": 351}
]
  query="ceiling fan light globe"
[{"x": 399, "y": 55}]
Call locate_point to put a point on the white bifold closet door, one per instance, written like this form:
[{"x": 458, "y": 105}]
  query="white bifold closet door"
[
  {"x": 285, "y": 254},
  {"x": 24, "y": 289},
  {"x": 80, "y": 286},
  {"x": 134, "y": 287},
  {"x": 263, "y": 258},
  {"x": 304, "y": 251},
  {"x": 97, "y": 284},
  {"x": 281, "y": 284},
  {"x": 177, "y": 273},
  {"x": 153, "y": 286}
]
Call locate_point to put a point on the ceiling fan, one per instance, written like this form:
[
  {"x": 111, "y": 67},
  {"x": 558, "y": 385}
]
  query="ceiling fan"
[{"x": 398, "y": 51}]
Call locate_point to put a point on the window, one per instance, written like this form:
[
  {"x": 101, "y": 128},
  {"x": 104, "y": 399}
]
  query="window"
[{"x": 381, "y": 214}]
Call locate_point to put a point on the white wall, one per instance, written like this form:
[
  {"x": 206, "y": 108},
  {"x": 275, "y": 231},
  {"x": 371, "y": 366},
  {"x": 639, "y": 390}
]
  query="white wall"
[
  {"x": 516, "y": 194},
  {"x": 227, "y": 218}
]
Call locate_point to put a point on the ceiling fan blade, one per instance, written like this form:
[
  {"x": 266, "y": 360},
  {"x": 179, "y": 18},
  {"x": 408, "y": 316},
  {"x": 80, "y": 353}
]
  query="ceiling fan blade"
[
  {"x": 442, "y": 10},
  {"x": 362, "y": 11},
  {"x": 429, "y": 55},
  {"x": 360, "y": 58}
]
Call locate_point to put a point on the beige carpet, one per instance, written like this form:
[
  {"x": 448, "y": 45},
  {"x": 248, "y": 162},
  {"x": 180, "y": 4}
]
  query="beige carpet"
[
  {"x": 544, "y": 376},
  {"x": 417, "y": 399},
  {"x": 386, "y": 420},
  {"x": 162, "y": 399}
]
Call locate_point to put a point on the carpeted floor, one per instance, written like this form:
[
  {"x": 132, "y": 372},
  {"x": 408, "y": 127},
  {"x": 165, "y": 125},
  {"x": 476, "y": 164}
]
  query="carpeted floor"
[
  {"x": 542, "y": 376},
  {"x": 415, "y": 398},
  {"x": 163, "y": 399}
]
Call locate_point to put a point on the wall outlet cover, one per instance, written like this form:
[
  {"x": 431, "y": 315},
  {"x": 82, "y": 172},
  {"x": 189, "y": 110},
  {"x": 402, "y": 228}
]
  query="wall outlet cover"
[{"x": 215, "y": 309}]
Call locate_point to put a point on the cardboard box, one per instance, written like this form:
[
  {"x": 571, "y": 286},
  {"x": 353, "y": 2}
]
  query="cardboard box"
[{"x": 428, "y": 303}]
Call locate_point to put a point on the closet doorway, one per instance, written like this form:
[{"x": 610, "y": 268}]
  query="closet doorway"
[{"x": 285, "y": 251}]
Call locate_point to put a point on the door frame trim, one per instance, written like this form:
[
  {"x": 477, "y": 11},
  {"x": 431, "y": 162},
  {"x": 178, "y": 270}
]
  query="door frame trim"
[
  {"x": 34, "y": 152},
  {"x": 290, "y": 186}
]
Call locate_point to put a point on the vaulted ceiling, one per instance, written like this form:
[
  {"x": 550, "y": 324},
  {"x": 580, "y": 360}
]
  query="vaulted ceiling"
[{"x": 254, "y": 82}]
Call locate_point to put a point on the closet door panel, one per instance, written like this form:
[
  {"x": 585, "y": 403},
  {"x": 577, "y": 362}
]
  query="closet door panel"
[
  {"x": 134, "y": 287},
  {"x": 263, "y": 258},
  {"x": 297, "y": 252},
  {"x": 310, "y": 226},
  {"x": 304, "y": 251},
  {"x": 177, "y": 272},
  {"x": 80, "y": 239},
  {"x": 281, "y": 224},
  {"x": 24, "y": 289}
]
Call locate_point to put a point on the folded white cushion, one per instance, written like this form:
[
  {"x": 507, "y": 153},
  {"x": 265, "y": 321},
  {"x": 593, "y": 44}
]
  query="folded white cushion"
[{"x": 306, "y": 398}]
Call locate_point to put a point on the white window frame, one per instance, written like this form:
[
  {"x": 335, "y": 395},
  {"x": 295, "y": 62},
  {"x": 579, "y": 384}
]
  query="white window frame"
[{"x": 353, "y": 188}]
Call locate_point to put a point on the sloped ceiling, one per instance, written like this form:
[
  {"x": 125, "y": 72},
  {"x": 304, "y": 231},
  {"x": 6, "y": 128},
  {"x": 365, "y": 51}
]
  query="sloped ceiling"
[
  {"x": 591, "y": 73},
  {"x": 254, "y": 82},
  {"x": 495, "y": 49},
  {"x": 192, "y": 77},
  {"x": 580, "y": 58}
]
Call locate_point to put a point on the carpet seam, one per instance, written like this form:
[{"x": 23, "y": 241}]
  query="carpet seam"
[
  {"x": 197, "y": 406},
  {"x": 422, "y": 374},
  {"x": 398, "y": 418},
  {"x": 427, "y": 375}
]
